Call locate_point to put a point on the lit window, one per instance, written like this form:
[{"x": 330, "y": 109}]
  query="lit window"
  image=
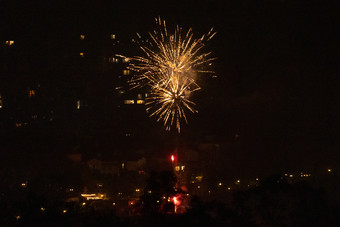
[
  {"x": 329, "y": 170},
  {"x": 82, "y": 36},
  {"x": 9, "y": 42},
  {"x": 112, "y": 60},
  {"x": 113, "y": 36},
  {"x": 78, "y": 104},
  {"x": 140, "y": 101},
  {"x": 129, "y": 101},
  {"x": 137, "y": 190},
  {"x": 126, "y": 72},
  {"x": 123, "y": 165},
  {"x": 31, "y": 93},
  {"x": 220, "y": 184},
  {"x": 81, "y": 54},
  {"x": 177, "y": 168},
  {"x": 42, "y": 208},
  {"x": 182, "y": 168},
  {"x": 199, "y": 178}
]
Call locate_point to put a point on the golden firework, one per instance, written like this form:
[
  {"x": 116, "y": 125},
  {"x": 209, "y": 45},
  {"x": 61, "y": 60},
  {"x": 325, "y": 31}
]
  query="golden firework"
[{"x": 169, "y": 66}]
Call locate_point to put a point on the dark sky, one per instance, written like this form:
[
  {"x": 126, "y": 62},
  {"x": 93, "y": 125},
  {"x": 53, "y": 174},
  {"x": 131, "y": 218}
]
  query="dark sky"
[{"x": 277, "y": 68}]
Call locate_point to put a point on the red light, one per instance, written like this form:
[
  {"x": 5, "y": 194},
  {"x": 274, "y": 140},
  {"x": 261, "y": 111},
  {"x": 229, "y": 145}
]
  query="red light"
[{"x": 172, "y": 158}]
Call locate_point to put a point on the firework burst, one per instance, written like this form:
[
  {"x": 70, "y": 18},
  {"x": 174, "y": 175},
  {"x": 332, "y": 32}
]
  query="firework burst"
[{"x": 169, "y": 66}]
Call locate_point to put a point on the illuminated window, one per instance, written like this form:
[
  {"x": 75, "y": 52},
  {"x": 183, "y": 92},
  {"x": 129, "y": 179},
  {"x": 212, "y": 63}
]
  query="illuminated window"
[
  {"x": 129, "y": 101},
  {"x": 9, "y": 42},
  {"x": 78, "y": 104},
  {"x": 112, "y": 60},
  {"x": 177, "y": 168},
  {"x": 31, "y": 93},
  {"x": 126, "y": 72},
  {"x": 182, "y": 168},
  {"x": 123, "y": 165},
  {"x": 82, "y": 36},
  {"x": 81, "y": 54},
  {"x": 113, "y": 36},
  {"x": 140, "y": 101},
  {"x": 199, "y": 178}
]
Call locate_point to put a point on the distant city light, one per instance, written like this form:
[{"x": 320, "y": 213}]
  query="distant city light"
[
  {"x": 220, "y": 184},
  {"x": 82, "y": 36},
  {"x": 329, "y": 170},
  {"x": 64, "y": 211}
]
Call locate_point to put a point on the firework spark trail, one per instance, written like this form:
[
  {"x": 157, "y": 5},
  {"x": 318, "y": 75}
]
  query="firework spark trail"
[{"x": 169, "y": 67}]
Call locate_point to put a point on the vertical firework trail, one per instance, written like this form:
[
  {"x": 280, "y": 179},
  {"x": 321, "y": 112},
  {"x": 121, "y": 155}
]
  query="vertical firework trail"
[{"x": 169, "y": 66}]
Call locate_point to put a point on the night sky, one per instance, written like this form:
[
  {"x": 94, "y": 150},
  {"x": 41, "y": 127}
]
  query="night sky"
[{"x": 275, "y": 103}]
